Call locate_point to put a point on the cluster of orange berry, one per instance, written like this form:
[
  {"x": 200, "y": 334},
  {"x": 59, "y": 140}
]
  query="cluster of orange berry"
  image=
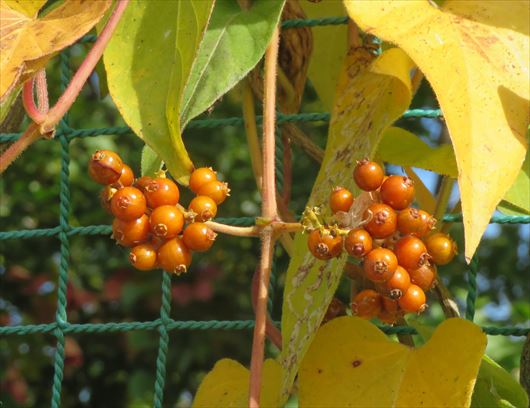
[
  {"x": 148, "y": 217},
  {"x": 395, "y": 242}
]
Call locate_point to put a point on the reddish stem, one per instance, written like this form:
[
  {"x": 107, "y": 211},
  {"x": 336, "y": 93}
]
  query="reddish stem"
[
  {"x": 76, "y": 84},
  {"x": 273, "y": 334},
  {"x": 32, "y": 111},
  {"x": 41, "y": 87},
  {"x": 269, "y": 211},
  {"x": 28, "y": 137}
]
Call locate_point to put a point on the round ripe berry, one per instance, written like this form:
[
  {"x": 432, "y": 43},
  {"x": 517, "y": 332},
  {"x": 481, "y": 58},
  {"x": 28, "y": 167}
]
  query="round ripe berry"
[
  {"x": 143, "y": 256},
  {"x": 380, "y": 264},
  {"x": 126, "y": 177},
  {"x": 367, "y": 304},
  {"x": 105, "y": 197},
  {"x": 128, "y": 204},
  {"x": 129, "y": 233},
  {"x": 390, "y": 312},
  {"x": 161, "y": 191},
  {"x": 204, "y": 208},
  {"x": 397, "y": 192},
  {"x": 166, "y": 221},
  {"x": 324, "y": 246},
  {"x": 336, "y": 308},
  {"x": 200, "y": 177},
  {"x": 441, "y": 248},
  {"x": 358, "y": 242},
  {"x": 216, "y": 190},
  {"x": 424, "y": 276},
  {"x": 383, "y": 220},
  {"x": 174, "y": 257},
  {"x": 368, "y": 175},
  {"x": 198, "y": 237},
  {"x": 413, "y": 300},
  {"x": 398, "y": 283},
  {"x": 411, "y": 252},
  {"x": 105, "y": 167},
  {"x": 142, "y": 182},
  {"x": 340, "y": 199},
  {"x": 411, "y": 221}
]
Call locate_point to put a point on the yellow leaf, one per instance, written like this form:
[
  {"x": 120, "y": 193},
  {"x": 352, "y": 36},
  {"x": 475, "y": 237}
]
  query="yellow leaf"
[
  {"x": 403, "y": 148},
  {"x": 329, "y": 47},
  {"x": 27, "y": 43},
  {"x": 475, "y": 55},
  {"x": 423, "y": 196},
  {"x": 352, "y": 363},
  {"x": 227, "y": 386},
  {"x": 371, "y": 94},
  {"x": 28, "y": 7}
]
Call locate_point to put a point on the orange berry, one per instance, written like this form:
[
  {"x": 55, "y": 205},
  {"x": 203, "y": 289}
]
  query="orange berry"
[
  {"x": 198, "y": 237},
  {"x": 143, "y": 256},
  {"x": 398, "y": 283},
  {"x": 126, "y": 177},
  {"x": 105, "y": 167},
  {"x": 413, "y": 300},
  {"x": 324, "y": 246},
  {"x": 380, "y": 264},
  {"x": 105, "y": 197},
  {"x": 441, "y": 248},
  {"x": 340, "y": 199},
  {"x": 161, "y": 191},
  {"x": 368, "y": 175},
  {"x": 383, "y": 220},
  {"x": 424, "y": 276},
  {"x": 129, "y": 233},
  {"x": 216, "y": 190},
  {"x": 166, "y": 221},
  {"x": 390, "y": 312},
  {"x": 200, "y": 177},
  {"x": 204, "y": 208},
  {"x": 128, "y": 204},
  {"x": 174, "y": 257},
  {"x": 411, "y": 221},
  {"x": 397, "y": 192},
  {"x": 358, "y": 242},
  {"x": 367, "y": 304},
  {"x": 142, "y": 182},
  {"x": 411, "y": 252}
]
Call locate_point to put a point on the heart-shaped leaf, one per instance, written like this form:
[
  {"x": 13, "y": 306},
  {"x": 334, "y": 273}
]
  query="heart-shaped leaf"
[
  {"x": 475, "y": 56},
  {"x": 27, "y": 42},
  {"x": 227, "y": 385},
  {"x": 371, "y": 94},
  {"x": 352, "y": 363}
]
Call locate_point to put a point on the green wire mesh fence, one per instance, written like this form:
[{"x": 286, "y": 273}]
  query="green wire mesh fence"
[{"x": 164, "y": 323}]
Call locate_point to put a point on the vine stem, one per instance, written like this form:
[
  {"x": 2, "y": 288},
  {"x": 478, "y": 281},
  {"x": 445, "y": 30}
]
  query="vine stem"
[
  {"x": 33, "y": 112},
  {"x": 54, "y": 115},
  {"x": 269, "y": 211},
  {"x": 235, "y": 231},
  {"x": 41, "y": 88}
]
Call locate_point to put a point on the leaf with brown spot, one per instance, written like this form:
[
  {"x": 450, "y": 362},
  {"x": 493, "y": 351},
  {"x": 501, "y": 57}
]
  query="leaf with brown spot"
[{"x": 27, "y": 43}]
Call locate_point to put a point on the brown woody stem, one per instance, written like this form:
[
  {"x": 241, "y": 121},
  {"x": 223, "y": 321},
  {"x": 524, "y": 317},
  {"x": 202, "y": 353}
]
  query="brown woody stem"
[{"x": 269, "y": 211}]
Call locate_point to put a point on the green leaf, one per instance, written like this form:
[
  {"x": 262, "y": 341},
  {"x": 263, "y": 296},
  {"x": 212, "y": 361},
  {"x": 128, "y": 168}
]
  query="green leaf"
[
  {"x": 496, "y": 387},
  {"x": 6, "y": 105},
  {"x": 233, "y": 44},
  {"x": 370, "y": 96},
  {"x": 150, "y": 162},
  {"x": 517, "y": 199},
  {"x": 401, "y": 147},
  {"x": 148, "y": 62},
  {"x": 192, "y": 18}
]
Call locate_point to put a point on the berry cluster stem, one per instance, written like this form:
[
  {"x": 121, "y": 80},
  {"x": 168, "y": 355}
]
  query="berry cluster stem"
[
  {"x": 269, "y": 211},
  {"x": 49, "y": 120}
]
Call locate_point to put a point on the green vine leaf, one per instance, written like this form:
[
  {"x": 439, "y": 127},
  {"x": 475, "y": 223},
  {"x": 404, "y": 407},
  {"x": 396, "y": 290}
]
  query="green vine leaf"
[
  {"x": 233, "y": 44},
  {"x": 150, "y": 162},
  {"x": 148, "y": 62}
]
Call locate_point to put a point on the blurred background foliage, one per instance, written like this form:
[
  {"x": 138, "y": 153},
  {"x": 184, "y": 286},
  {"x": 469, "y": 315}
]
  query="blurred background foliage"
[{"x": 118, "y": 369}]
